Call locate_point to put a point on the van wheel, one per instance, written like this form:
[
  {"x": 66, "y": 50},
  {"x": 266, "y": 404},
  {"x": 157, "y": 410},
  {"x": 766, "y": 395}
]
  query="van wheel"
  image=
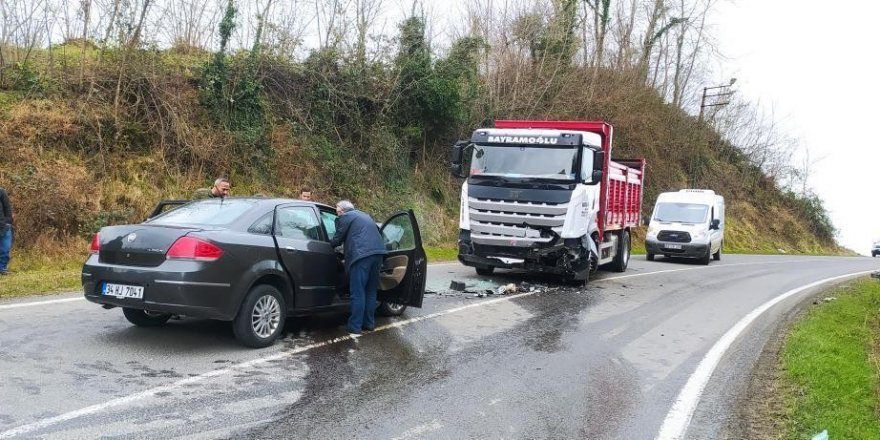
[
  {"x": 621, "y": 260},
  {"x": 261, "y": 318},
  {"x": 485, "y": 270},
  {"x": 706, "y": 258},
  {"x": 649, "y": 256},
  {"x": 391, "y": 309},
  {"x": 145, "y": 318},
  {"x": 717, "y": 255}
]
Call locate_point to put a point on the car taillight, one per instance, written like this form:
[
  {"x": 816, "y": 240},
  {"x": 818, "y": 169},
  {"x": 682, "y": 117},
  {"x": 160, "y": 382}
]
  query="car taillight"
[
  {"x": 96, "y": 244},
  {"x": 191, "y": 248}
]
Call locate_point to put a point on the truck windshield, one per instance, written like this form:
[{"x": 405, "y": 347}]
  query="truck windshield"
[
  {"x": 523, "y": 161},
  {"x": 681, "y": 212}
]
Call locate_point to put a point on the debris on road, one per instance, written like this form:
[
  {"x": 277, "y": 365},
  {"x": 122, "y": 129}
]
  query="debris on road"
[
  {"x": 875, "y": 274},
  {"x": 829, "y": 298},
  {"x": 507, "y": 288},
  {"x": 457, "y": 286}
]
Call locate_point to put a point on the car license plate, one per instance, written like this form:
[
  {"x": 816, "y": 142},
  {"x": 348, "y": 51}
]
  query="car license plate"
[
  {"x": 123, "y": 291},
  {"x": 672, "y": 246}
]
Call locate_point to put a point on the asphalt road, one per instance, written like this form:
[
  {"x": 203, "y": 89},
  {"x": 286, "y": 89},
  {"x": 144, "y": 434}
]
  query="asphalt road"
[{"x": 606, "y": 361}]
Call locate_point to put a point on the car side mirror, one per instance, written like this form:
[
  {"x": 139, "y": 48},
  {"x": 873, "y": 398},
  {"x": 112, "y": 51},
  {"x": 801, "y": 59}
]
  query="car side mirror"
[
  {"x": 596, "y": 177},
  {"x": 716, "y": 224}
]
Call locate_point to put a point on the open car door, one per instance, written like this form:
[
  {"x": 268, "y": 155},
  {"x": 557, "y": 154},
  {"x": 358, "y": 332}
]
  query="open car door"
[{"x": 404, "y": 271}]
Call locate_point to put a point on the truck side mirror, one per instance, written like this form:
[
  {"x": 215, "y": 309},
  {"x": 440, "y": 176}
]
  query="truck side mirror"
[
  {"x": 455, "y": 159},
  {"x": 455, "y": 169},
  {"x": 457, "y": 150},
  {"x": 716, "y": 224},
  {"x": 596, "y": 177},
  {"x": 598, "y": 160}
]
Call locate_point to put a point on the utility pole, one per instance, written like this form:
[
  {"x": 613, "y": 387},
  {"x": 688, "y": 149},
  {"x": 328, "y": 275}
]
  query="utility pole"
[{"x": 720, "y": 96}]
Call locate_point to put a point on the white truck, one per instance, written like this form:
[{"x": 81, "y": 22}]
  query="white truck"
[
  {"x": 545, "y": 196},
  {"x": 688, "y": 223}
]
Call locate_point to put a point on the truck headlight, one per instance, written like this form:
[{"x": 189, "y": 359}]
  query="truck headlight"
[{"x": 699, "y": 235}]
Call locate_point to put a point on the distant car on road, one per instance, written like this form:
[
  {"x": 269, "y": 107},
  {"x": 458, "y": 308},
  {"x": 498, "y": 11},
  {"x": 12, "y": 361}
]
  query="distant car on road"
[
  {"x": 252, "y": 261},
  {"x": 875, "y": 250}
]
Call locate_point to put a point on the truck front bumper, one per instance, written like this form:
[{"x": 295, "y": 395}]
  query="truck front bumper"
[
  {"x": 686, "y": 250},
  {"x": 552, "y": 259}
]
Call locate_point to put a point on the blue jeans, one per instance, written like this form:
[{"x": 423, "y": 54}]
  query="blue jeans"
[
  {"x": 364, "y": 280},
  {"x": 5, "y": 248}
]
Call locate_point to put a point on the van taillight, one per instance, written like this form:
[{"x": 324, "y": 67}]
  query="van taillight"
[
  {"x": 190, "y": 248},
  {"x": 96, "y": 244}
]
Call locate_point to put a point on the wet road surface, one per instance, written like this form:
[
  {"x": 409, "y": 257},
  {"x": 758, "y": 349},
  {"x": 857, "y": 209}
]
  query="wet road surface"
[{"x": 556, "y": 361}]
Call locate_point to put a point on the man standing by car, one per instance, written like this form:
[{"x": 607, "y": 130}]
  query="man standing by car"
[
  {"x": 364, "y": 253},
  {"x": 306, "y": 194},
  {"x": 221, "y": 188},
  {"x": 5, "y": 231}
]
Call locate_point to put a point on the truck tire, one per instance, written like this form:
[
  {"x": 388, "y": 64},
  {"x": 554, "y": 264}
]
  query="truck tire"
[
  {"x": 717, "y": 255},
  {"x": 144, "y": 318},
  {"x": 621, "y": 260},
  {"x": 485, "y": 271},
  {"x": 260, "y": 319},
  {"x": 649, "y": 256}
]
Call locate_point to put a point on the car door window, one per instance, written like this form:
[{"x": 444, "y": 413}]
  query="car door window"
[
  {"x": 329, "y": 220},
  {"x": 263, "y": 225},
  {"x": 298, "y": 222},
  {"x": 398, "y": 234}
]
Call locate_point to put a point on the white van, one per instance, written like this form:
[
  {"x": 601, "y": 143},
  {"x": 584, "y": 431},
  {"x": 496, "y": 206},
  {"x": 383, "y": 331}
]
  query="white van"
[{"x": 688, "y": 223}]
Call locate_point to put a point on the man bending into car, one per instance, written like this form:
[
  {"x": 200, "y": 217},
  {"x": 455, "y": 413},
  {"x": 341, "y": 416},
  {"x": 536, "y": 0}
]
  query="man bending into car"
[{"x": 364, "y": 252}]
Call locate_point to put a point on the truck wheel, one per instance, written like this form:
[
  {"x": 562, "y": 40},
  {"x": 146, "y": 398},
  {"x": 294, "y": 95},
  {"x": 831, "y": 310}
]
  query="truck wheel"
[
  {"x": 485, "y": 270},
  {"x": 261, "y": 318},
  {"x": 649, "y": 256},
  {"x": 717, "y": 255},
  {"x": 621, "y": 260},
  {"x": 145, "y": 318},
  {"x": 391, "y": 309}
]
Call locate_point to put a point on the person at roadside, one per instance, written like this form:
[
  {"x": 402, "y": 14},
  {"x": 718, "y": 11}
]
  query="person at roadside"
[
  {"x": 305, "y": 194},
  {"x": 220, "y": 189},
  {"x": 364, "y": 251},
  {"x": 5, "y": 231}
]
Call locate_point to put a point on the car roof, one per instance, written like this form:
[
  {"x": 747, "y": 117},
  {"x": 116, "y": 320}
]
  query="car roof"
[{"x": 277, "y": 201}]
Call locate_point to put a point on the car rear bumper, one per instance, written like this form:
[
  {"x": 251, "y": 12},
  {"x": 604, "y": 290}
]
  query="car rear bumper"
[
  {"x": 179, "y": 287},
  {"x": 687, "y": 250}
]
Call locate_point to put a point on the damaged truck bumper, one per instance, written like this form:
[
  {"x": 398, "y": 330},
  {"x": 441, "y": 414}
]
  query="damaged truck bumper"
[{"x": 559, "y": 256}]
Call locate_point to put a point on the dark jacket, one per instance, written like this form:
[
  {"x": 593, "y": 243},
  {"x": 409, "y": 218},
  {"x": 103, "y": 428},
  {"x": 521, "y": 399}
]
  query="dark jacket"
[
  {"x": 5, "y": 212},
  {"x": 360, "y": 234}
]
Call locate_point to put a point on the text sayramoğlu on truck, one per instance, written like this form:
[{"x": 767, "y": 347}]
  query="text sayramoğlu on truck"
[{"x": 545, "y": 196}]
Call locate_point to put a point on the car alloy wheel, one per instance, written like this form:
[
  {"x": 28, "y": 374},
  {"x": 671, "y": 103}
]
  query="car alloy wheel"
[{"x": 266, "y": 316}]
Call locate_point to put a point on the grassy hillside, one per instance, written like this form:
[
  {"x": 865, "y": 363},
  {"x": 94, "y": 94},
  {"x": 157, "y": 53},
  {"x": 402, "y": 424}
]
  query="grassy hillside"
[{"x": 91, "y": 138}]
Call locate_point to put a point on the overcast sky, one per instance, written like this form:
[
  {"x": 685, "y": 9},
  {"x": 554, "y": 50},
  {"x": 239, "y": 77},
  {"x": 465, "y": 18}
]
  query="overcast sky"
[{"x": 815, "y": 64}]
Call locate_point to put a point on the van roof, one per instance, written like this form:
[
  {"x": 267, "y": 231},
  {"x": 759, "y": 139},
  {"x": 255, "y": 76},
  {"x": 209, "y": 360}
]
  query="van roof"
[{"x": 690, "y": 196}]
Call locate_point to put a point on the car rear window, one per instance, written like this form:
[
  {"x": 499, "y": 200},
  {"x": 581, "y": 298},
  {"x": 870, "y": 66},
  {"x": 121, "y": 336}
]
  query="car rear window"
[{"x": 212, "y": 212}]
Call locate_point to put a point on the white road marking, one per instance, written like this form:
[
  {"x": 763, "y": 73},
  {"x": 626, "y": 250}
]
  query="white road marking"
[
  {"x": 44, "y": 423},
  {"x": 419, "y": 431},
  {"x": 39, "y": 303},
  {"x": 679, "y": 417}
]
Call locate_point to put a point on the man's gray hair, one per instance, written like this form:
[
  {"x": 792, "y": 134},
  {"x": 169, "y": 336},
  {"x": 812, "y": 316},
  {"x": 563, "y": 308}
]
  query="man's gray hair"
[
  {"x": 221, "y": 180},
  {"x": 345, "y": 205}
]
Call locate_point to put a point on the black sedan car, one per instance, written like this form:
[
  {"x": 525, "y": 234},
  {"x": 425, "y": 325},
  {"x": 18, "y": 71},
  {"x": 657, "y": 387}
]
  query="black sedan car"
[{"x": 252, "y": 261}]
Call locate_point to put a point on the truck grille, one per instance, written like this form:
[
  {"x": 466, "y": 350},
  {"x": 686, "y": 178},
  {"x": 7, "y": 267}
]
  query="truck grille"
[
  {"x": 500, "y": 222},
  {"x": 674, "y": 236}
]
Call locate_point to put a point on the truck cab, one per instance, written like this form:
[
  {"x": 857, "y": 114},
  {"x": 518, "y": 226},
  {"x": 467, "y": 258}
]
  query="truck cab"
[
  {"x": 688, "y": 223},
  {"x": 535, "y": 196}
]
